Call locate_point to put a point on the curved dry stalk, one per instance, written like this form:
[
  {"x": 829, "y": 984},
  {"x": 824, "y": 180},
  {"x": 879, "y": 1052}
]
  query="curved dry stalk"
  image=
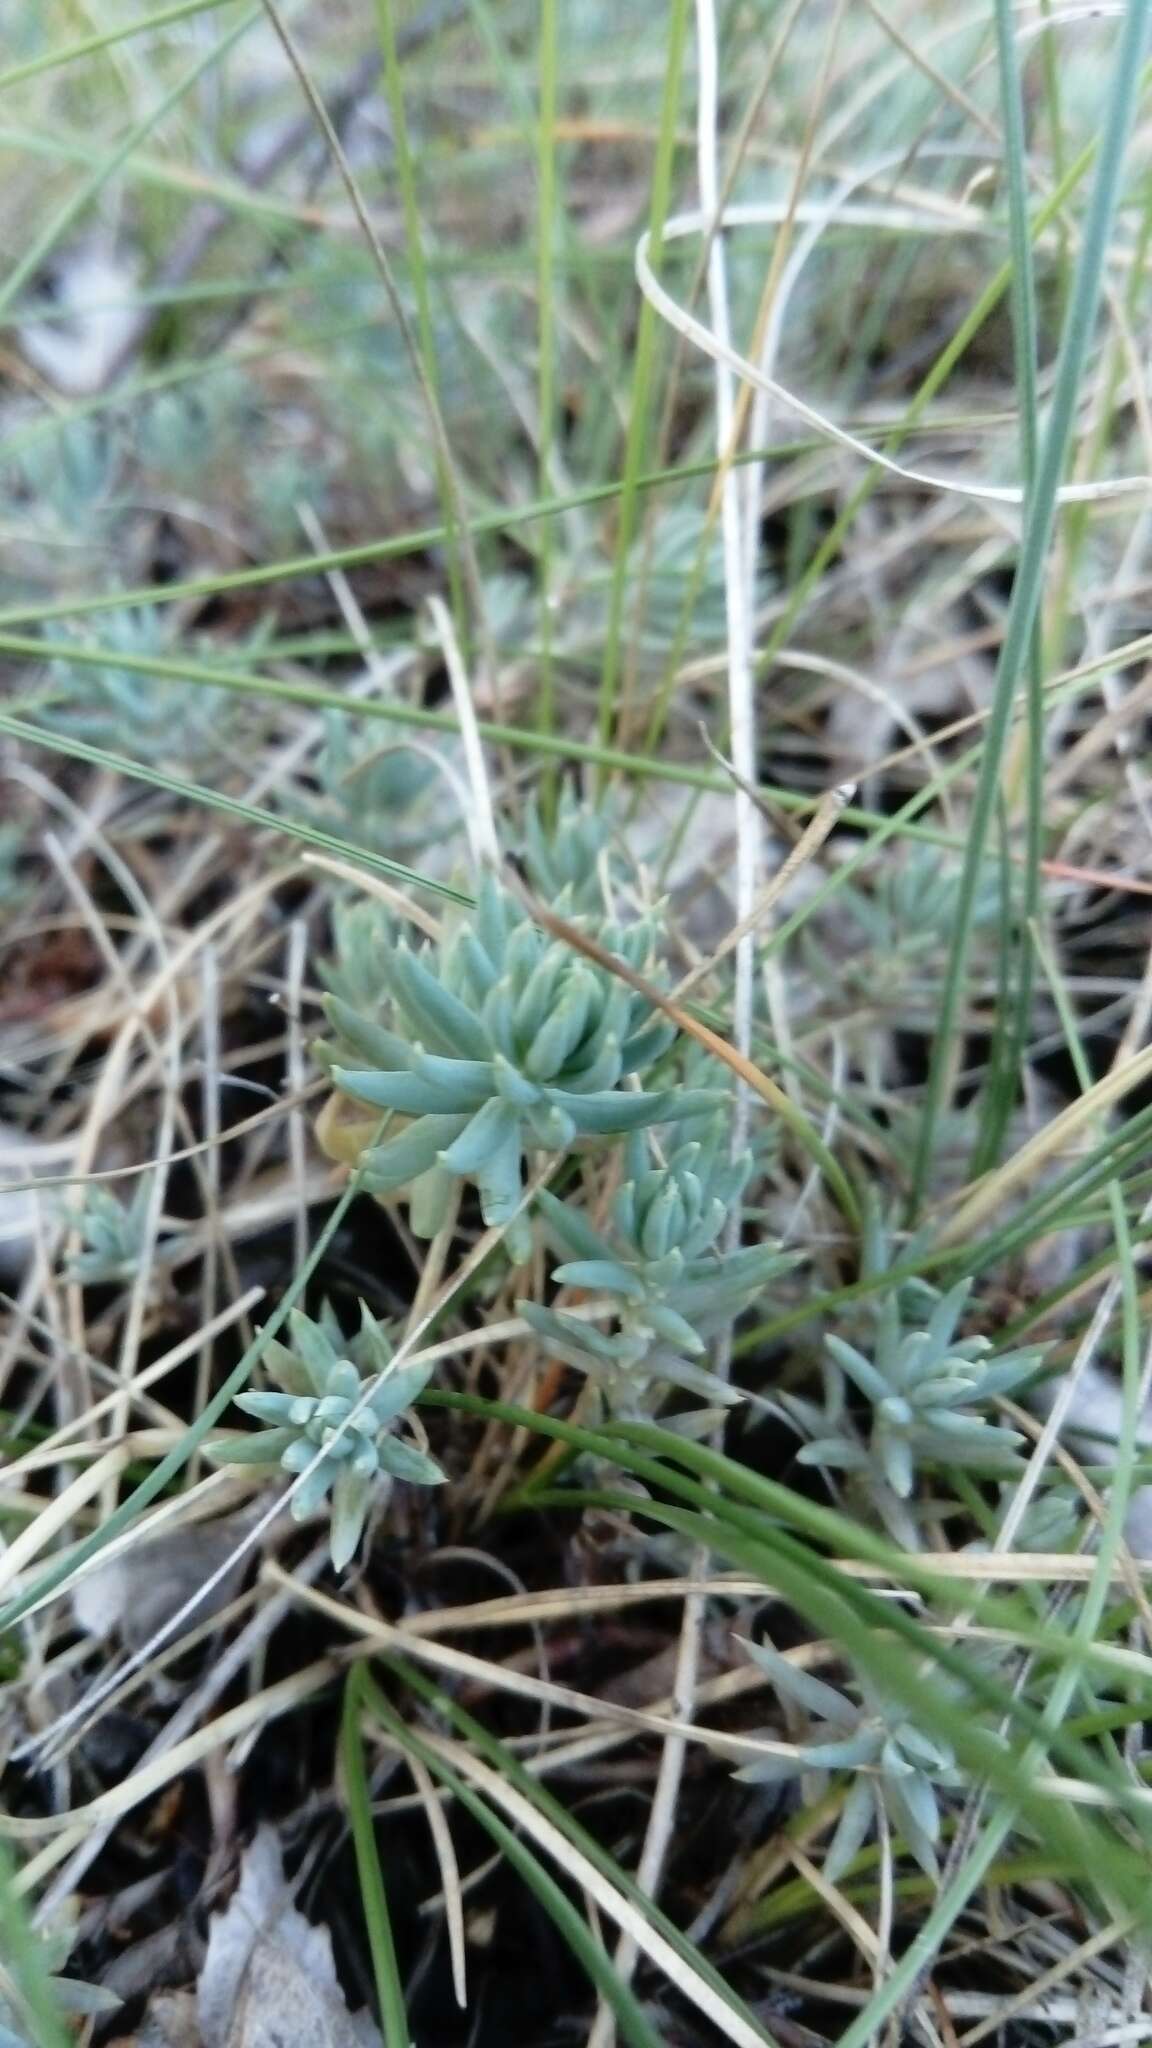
[
  {"x": 683, "y": 226},
  {"x": 536, "y": 1826}
]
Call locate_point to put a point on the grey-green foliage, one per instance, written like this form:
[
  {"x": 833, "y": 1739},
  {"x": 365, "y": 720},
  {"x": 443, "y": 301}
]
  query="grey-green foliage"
[
  {"x": 502, "y": 1042},
  {"x": 925, "y": 1387},
  {"x": 676, "y": 558},
  {"x": 659, "y": 1269},
  {"x": 370, "y": 791},
  {"x": 663, "y": 564},
  {"x": 220, "y": 439},
  {"x": 112, "y": 1234},
  {"x": 663, "y": 575},
  {"x": 100, "y": 702},
  {"x": 1050, "y": 1521},
  {"x": 67, "y": 477},
  {"x": 563, "y": 860},
  {"x": 886, "y": 939},
  {"x": 332, "y": 1418},
  {"x": 897, "y": 1766},
  {"x": 363, "y": 935},
  {"x": 182, "y": 433},
  {"x": 915, "y": 898},
  {"x": 912, "y": 1392}
]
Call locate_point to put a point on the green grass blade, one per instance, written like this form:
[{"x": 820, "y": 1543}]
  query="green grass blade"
[
  {"x": 52, "y": 233},
  {"x": 504, "y": 1760},
  {"x": 316, "y": 697},
  {"x": 418, "y": 269},
  {"x": 1014, "y": 1009},
  {"x": 23, "y": 1958},
  {"x": 231, "y": 806},
  {"x": 891, "y": 1648},
  {"x": 640, "y": 403},
  {"x": 416, "y": 540},
  {"x": 1039, "y": 522},
  {"x": 547, "y": 208},
  {"x": 389, "y": 1990},
  {"x": 91, "y": 46},
  {"x": 570, "y": 1923},
  {"x": 946, "y": 362}
]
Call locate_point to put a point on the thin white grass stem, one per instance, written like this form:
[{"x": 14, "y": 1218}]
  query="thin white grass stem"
[
  {"x": 538, "y": 1828},
  {"x": 481, "y": 818},
  {"x": 711, "y": 341}
]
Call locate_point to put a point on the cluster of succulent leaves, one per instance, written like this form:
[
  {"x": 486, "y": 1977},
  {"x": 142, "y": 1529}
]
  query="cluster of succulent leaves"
[
  {"x": 898, "y": 927},
  {"x": 913, "y": 1393},
  {"x": 677, "y": 562},
  {"x": 102, "y": 702},
  {"x": 1050, "y": 1522},
  {"x": 561, "y": 857},
  {"x": 895, "y": 1765},
  {"x": 112, "y": 1234},
  {"x": 63, "y": 480},
  {"x": 332, "y": 1418},
  {"x": 181, "y": 434},
  {"x": 658, "y": 1270},
  {"x": 370, "y": 789},
  {"x": 501, "y": 1043}
]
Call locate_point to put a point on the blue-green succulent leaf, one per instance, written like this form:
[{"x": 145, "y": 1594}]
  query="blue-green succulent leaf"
[
  {"x": 602, "y": 1115},
  {"x": 442, "y": 1021},
  {"x": 351, "y": 1496},
  {"x": 404, "y": 1461},
  {"x": 267, "y": 1407},
  {"x": 491, "y": 1129},
  {"x": 857, "y": 1819},
  {"x": 310, "y": 1344},
  {"x": 253, "y": 1447},
  {"x": 369, "y": 1039},
  {"x": 410, "y": 1094},
  {"x": 411, "y": 1152},
  {"x": 600, "y": 1276},
  {"x": 571, "y": 1228},
  {"x": 813, "y": 1694}
]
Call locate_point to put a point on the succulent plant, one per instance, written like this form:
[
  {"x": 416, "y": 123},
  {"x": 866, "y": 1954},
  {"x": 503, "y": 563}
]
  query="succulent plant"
[
  {"x": 900, "y": 1768},
  {"x": 658, "y": 1268},
  {"x": 679, "y": 557},
  {"x": 363, "y": 936},
  {"x": 332, "y": 1419},
  {"x": 112, "y": 1234},
  {"x": 925, "y": 1387},
  {"x": 1050, "y": 1521},
  {"x": 915, "y": 900},
  {"x": 888, "y": 941},
  {"x": 183, "y": 433},
  {"x": 921, "y": 1388},
  {"x": 509, "y": 1042},
  {"x": 167, "y": 720},
  {"x": 66, "y": 478},
  {"x": 562, "y": 863},
  {"x": 369, "y": 788}
]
